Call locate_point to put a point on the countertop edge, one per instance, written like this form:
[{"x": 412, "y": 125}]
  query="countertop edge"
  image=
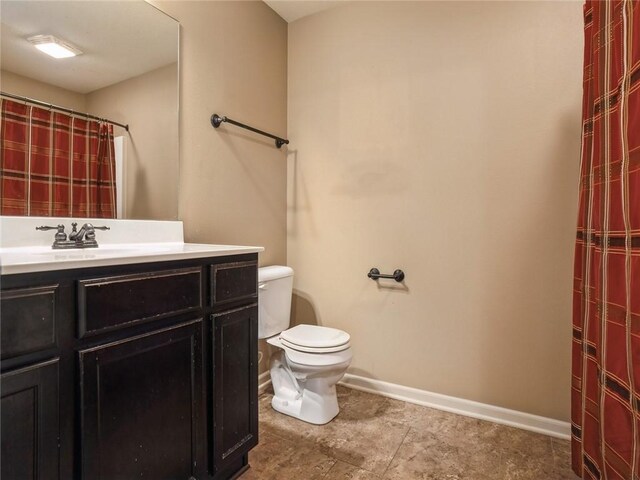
[{"x": 106, "y": 262}]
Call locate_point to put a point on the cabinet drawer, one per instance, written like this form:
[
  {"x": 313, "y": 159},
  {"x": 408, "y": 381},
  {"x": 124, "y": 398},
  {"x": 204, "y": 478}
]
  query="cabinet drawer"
[
  {"x": 110, "y": 303},
  {"x": 233, "y": 282},
  {"x": 28, "y": 320}
]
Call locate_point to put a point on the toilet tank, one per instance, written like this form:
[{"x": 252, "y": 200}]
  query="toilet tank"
[{"x": 275, "y": 284}]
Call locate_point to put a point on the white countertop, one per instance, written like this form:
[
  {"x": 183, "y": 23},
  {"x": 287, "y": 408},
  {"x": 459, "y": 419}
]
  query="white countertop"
[
  {"x": 43, "y": 259},
  {"x": 127, "y": 242}
]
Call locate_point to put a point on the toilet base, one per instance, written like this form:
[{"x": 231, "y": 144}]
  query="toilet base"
[
  {"x": 309, "y": 394},
  {"x": 308, "y": 409}
]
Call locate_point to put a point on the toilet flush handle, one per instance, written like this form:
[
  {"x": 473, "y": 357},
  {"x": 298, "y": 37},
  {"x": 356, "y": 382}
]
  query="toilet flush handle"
[{"x": 262, "y": 286}]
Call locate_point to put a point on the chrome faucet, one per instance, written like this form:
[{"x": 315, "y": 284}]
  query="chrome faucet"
[{"x": 83, "y": 238}]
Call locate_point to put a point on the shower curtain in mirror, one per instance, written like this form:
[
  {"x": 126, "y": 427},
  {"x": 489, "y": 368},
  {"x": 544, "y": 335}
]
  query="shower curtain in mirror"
[
  {"x": 54, "y": 164},
  {"x": 605, "y": 413}
]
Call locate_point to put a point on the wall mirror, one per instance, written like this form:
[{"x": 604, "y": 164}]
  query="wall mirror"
[{"x": 127, "y": 72}]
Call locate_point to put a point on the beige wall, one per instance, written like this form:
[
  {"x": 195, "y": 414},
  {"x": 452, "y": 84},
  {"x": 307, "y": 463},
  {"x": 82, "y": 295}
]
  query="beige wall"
[
  {"x": 28, "y": 87},
  {"x": 147, "y": 103},
  {"x": 441, "y": 138},
  {"x": 233, "y": 61}
]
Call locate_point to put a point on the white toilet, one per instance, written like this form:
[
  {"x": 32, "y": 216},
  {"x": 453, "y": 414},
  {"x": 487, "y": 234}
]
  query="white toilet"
[{"x": 311, "y": 360}]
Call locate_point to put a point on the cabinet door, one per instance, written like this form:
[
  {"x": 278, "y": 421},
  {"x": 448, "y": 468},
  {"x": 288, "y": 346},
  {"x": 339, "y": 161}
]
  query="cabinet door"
[
  {"x": 141, "y": 406},
  {"x": 235, "y": 398},
  {"x": 30, "y": 422}
]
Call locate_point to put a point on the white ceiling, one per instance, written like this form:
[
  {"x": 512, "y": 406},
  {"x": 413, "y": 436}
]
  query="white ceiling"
[
  {"x": 120, "y": 40},
  {"x": 292, "y": 10}
]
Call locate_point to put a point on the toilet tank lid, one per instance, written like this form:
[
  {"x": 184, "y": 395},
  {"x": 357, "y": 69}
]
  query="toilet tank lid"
[{"x": 274, "y": 272}]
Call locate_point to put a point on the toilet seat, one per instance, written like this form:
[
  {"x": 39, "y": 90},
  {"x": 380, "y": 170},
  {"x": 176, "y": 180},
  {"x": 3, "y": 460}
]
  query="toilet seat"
[
  {"x": 315, "y": 339},
  {"x": 315, "y": 359},
  {"x": 318, "y": 360},
  {"x": 302, "y": 348}
]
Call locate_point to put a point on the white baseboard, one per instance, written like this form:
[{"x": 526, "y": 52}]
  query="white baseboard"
[
  {"x": 264, "y": 380},
  {"x": 469, "y": 408}
]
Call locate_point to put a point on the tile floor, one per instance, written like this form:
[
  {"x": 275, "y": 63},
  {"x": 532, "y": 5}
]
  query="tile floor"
[{"x": 375, "y": 437}]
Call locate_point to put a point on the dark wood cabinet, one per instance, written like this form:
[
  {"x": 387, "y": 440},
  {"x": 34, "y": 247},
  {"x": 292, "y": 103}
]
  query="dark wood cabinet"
[
  {"x": 235, "y": 386},
  {"x": 130, "y": 371},
  {"x": 30, "y": 422}
]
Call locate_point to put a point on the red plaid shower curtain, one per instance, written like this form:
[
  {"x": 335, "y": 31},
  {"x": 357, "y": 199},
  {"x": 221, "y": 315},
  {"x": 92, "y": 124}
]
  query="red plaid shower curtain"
[
  {"x": 605, "y": 394},
  {"x": 54, "y": 164}
]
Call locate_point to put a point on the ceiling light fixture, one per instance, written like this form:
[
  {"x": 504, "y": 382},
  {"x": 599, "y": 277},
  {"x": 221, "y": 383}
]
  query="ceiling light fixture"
[{"x": 53, "y": 46}]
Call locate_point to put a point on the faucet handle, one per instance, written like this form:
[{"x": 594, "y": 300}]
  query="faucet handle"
[
  {"x": 91, "y": 231},
  {"x": 60, "y": 235}
]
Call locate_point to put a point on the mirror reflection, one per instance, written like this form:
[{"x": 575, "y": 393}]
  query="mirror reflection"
[{"x": 125, "y": 71}]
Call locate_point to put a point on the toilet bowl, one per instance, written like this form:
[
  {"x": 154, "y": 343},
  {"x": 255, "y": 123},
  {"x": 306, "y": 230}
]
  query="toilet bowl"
[
  {"x": 311, "y": 359},
  {"x": 304, "y": 382}
]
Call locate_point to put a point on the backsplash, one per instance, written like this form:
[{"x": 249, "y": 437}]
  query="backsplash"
[{"x": 21, "y": 231}]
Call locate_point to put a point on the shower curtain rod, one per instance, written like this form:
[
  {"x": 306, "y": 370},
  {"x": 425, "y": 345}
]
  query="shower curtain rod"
[
  {"x": 61, "y": 109},
  {"x": 216, "y": 120}
]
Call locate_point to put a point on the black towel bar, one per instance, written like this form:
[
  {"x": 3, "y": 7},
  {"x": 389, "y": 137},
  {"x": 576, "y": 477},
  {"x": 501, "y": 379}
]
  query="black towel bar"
[{"x": 216, "y": 120}]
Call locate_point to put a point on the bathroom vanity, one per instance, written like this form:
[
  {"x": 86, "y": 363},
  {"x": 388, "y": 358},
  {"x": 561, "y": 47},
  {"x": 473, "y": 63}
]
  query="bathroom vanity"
[{"x": 129, "y": 362}]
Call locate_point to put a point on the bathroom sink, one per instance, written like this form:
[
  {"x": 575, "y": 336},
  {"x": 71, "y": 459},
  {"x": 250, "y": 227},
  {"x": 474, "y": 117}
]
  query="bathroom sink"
[
  {"x": 23, "y": 250},
  {"x": 108, "y": 250},
  {"x": 40, "y": 258},
  {"x": 141, "y": 248}
]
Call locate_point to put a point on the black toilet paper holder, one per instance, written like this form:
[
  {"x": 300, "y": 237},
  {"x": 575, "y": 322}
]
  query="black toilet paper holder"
[{"x": 374, "y": 274}]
